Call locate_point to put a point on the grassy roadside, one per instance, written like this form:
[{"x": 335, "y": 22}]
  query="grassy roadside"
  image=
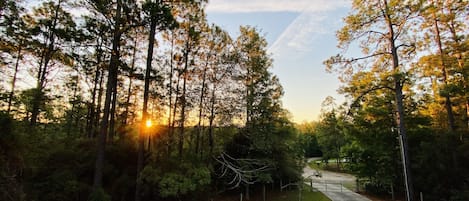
[
  {"x": 289, "y": 195},
  {"x": 305, "y": 194}
]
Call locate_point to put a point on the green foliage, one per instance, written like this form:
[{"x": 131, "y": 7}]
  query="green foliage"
[
  {"x": 160, "y": 13},
  {"x": 447, "y": 176},
  {"x": 182, "y": 180},
  {"x": 331, "y": 135},
  {"x": 268, "y": 140},
  {"x": 60, "y": 173},
  {"x": 11, "y": 161},
  {"x": 308, "y": 139}
]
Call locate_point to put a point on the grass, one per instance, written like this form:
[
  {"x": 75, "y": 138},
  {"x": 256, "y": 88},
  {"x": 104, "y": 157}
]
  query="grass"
[
  {"x": 314, "y": 165},
  {"x": 305, "y": 194},
  {"x": 287, "y": 195}
]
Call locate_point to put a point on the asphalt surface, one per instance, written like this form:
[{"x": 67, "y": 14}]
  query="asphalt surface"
[{"x": 331, "y": 184}]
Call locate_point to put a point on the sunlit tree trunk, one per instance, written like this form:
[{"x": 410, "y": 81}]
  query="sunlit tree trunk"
[
  {"x": 141, "y": 136},
  {"x": 448, "y": 104},
  {"x": 400, "y": 115},
  {"x": 458, "y": 53}
]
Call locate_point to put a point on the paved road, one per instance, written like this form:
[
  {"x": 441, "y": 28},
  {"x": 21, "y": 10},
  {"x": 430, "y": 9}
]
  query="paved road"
[{"x": 331, "y": 185}]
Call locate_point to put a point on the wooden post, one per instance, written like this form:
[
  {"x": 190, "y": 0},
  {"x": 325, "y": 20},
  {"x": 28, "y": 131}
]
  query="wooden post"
[
  {"x": 357, "y": 185},
  {"x": 247, "y": 192},
  {"x": 281, "y": 185},
  {"x": 263, "y": 192},
  {"x": 392, "y": 192},
  {"x": 299, "y": 192}
]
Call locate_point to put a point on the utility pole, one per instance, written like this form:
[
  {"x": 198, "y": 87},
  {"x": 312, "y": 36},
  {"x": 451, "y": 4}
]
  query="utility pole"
[{"x": 405, "y": 165}]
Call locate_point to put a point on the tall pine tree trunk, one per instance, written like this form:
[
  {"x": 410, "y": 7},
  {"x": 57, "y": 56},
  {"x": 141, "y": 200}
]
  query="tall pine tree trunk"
[
  {"x": 212, "y": 118},
  {"x": 141, "y": 137},
  {"x": 460, "y": 59},
  {"x": 129, "y": 89},
  {"x": 13, "y": 81},
  {"x": 112, "y": 119},
  {"x": 72, "y": 110},
  {"x": 183, "y": 99},
  {"x": 170, "y": 106},
  {"x": 201, "y": 102},
  {"x": 448, "y": 104},
  {"x": 173, "y": 123},
  {"x": 98, "y": 117},
  {"x": 400, "y": 116},
  {"x": 38, "y": 97},
  {"x": 113, "y": 65},
  {"x": 92, "y": 110}
]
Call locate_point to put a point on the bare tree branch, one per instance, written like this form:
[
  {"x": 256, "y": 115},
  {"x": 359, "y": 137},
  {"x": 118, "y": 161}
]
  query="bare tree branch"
[{"x": 240, "y": 171}]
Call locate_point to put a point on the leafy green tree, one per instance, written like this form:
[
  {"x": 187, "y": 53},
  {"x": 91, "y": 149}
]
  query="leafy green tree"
[
  {"x": 264, "y": 148},
  {"x": 371, "y": 147},
  {"x": 308, "y": 139},
  {"x": 175, "y": 179},
  {"x": 331, "y": 137}
]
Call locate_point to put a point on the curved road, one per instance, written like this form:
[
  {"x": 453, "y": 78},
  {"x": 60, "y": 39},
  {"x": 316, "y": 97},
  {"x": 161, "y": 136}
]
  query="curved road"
[{"x": 330, "y": 183}]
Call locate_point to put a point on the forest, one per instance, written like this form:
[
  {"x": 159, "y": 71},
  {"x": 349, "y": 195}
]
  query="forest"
[{"x": 106, "y": 100}]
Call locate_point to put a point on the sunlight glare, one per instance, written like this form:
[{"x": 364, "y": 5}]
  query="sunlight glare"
[{"x": 148, "y": 123}]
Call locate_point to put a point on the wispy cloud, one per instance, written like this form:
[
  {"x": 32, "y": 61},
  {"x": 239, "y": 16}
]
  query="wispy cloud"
[
  {"x": 299, "y": 37},
  {"x": 313, "y": 20},
  {"x": 231, "y": 6}
]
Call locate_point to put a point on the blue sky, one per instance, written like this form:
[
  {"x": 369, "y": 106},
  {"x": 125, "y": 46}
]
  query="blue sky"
[{"x": 301, "y": 35}]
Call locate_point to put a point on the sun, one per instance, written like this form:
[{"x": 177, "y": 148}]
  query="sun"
[{"x": 148, "y": 123}]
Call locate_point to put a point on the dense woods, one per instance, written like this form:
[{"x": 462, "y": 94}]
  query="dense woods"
[
  {"x": 145, "y": 100},
  {"x": 125, "y": 100}
]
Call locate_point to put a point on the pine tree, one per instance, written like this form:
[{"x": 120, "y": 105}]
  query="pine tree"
[
  {"x": 382, "y": 28},
  {"x": 50, "y": 25}
]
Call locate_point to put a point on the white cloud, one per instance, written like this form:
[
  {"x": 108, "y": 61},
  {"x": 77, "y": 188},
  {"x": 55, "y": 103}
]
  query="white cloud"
[
  {"x": 300, "y": 33},
  {"x": 232, "y": 6},
  {"x": 299, "y": 37}
]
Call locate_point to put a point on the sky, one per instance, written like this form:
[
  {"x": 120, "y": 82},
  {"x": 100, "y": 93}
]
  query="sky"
[{"x": 301, "y": 35}]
